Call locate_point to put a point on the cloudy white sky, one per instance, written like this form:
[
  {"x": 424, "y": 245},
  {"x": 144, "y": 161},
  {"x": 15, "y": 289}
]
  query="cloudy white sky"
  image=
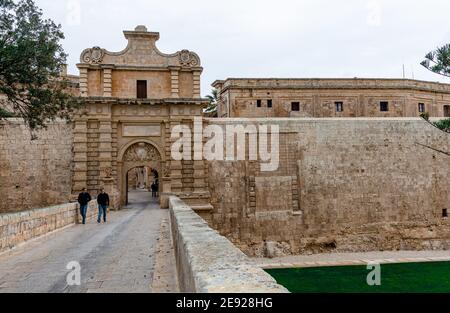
[{"x": 259, "y": 38}]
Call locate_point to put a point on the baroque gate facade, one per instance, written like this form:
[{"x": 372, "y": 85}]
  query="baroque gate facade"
[{"x": 133, "y": 100}]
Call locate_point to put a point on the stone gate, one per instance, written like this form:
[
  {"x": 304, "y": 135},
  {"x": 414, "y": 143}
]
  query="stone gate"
[{"x": 134, "y": 98}]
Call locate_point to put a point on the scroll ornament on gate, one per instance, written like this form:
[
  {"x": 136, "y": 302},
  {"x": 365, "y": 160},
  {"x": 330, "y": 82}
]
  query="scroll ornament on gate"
[
  {"x": 189, "y": 59},
  {"x": 93, "y": 56},
  {"x": 141, "y": 152}
]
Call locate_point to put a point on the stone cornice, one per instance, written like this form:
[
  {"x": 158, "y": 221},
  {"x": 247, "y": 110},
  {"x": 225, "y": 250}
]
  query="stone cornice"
[
  {"x": 138, "y": 68},
  {"x": 132, "y": 101},
  {"x": 305, "y": 83}
]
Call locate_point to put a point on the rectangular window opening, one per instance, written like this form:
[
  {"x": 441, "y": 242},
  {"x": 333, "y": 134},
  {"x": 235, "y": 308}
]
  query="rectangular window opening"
[
  {"x": 446, "y": 110},
  {"x": 295, "y": 106},
  {"x": 384, "y": 106},
  {"x": 269, "y": 103},
  {"x": 339, "y": 106},
  {"x": 142, "y": 89},
  {"x": 444, "y": 213},
  {"x": 422, "y": 107},
  {"x": 258, "y": 103}
]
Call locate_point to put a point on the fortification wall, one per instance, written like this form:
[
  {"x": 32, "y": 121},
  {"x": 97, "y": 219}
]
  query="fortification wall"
[
  {"x": 34, "y": 173},
  {"x": 342, "y": 185}
]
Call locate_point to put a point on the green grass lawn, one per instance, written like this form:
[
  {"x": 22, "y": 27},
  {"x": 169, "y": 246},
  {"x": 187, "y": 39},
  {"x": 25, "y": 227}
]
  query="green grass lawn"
[{"x": 406, "y": 277}]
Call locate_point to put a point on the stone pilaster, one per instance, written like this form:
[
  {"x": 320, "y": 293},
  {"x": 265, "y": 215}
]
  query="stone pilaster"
[
  {"x": 107, "y": 82},
  {"x": 176, "y": 167},
  {"x": 197, "y": 91},
  {"x": 198, "y": 166},
  {"x": 83, "y": 81},
  {"x": 175, "y": 83},
  {"x": 105, "y": 148},
  {"x": 114, "y": 147},
  {"x": 80, "y": 158},
  {"x": 93, "y": 175}
]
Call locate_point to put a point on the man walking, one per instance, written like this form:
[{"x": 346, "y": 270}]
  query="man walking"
[
  {"x": 83, "y": 199},
  {"x": 154, "y": 190},
  {"x": 103, "y": 204}
]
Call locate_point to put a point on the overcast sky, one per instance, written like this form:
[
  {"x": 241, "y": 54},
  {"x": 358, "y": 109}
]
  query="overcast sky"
[{"x": 259, "y": 38}]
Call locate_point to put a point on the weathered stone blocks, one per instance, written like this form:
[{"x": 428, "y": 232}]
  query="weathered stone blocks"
[
  {"x": 16, "y": 228},
  {"x": 208, "y": 262}
]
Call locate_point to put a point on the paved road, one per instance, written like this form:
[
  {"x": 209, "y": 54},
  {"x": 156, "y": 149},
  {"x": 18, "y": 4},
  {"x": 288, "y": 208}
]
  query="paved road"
[{"x": 114, "y": 257}]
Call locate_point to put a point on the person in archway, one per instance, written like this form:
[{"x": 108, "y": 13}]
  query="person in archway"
[
  {"x": 83, "y": 199},
  {"x": 154, "y": 190},
  {"x": 103, "y": 204}
]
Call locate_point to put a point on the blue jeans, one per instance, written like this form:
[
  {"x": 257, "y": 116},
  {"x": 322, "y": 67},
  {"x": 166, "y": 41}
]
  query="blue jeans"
[
  {"x": 83, "y": 212},
  {"x": 102, "y": 211}
]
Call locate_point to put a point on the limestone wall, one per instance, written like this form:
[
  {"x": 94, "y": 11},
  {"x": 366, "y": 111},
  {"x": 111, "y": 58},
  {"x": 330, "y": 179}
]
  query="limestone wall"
[
  {"x": 342, "y": 185},
  {"x": 209, "y": 263},
  {"x": 318, "y": 97},
  {"x": 37, "y": 173},
  {"x": 16, "y": 228}
]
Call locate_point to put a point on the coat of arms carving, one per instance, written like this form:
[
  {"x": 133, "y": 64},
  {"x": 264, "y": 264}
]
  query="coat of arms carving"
[
  {"x": 141, "y": 152},
  {"x": 93, "y": 56},
  {"x": 189, "y": 59}
]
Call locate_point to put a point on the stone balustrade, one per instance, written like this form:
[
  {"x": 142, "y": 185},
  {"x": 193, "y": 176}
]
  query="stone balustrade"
[{"x": 208, "y": 262}]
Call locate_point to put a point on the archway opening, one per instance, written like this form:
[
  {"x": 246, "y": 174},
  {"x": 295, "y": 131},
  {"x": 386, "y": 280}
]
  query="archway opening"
[
  {"x": 142, "y": 185},
  {"x": 140, "y": 167}
]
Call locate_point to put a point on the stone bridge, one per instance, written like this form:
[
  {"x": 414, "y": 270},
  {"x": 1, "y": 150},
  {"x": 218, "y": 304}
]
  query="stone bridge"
[{"x": 132, "y": 252}]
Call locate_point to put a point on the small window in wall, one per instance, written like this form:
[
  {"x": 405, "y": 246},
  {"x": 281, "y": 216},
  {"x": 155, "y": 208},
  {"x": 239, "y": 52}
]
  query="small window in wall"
[
  {"x": 269, "y": 103},
  {"x": 258, "y": 103},
  {"x": 444, "y": 213},
  {"x": 295, "y": 106},
  {"x": 142, "y": 89},
  {"x": 447, "y": 110},
  {"x": 339, "y": 106},
  {"x": 384, "y": 106},
  {"x": 422, "y": 107}
]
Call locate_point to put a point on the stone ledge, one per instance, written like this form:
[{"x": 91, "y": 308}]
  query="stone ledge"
[
  {"x": 18, "y": 228},
  {"x": 208, "y": 262}
]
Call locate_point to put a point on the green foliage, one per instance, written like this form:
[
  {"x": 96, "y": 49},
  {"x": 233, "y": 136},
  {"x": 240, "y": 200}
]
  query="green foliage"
[
  {"x": 31, "y": 60},
  {"x": 213, "y": 101},
  {"x": 443, "y": 125},
  {"x": 438, "y": 61},
  {"x": 5, "y": 114}
]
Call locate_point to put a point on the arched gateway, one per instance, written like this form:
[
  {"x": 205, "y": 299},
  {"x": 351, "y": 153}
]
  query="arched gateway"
[
  {"x": 141, "y": 154},
  {"x": 134, "y": 98}
]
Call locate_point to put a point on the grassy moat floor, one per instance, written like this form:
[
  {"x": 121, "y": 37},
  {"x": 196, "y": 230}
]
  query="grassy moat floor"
[{"x": 432, "y": 277}]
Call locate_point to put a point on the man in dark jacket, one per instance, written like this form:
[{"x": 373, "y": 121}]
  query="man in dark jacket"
[
  {"x": 154, "y": 190},
  {"x": 103, "y": 204},
  {"x": 83, "y": 199}
]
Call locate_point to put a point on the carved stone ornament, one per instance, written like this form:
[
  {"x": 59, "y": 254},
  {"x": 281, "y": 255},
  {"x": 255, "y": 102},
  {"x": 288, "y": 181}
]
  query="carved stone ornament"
[
  {"x": 108, "y": 172},
  {"x": 93, "y": 56},
  {"x": 188, "y": 59},
  {"x": 166, "y": 171},
  {"x": 141, "y": 152}
]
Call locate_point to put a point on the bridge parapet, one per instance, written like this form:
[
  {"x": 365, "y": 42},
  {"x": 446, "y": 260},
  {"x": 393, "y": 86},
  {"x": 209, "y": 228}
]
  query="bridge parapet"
[
  {"x": 18, "y": 228},
  {"x": 208, "y": 262}
]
